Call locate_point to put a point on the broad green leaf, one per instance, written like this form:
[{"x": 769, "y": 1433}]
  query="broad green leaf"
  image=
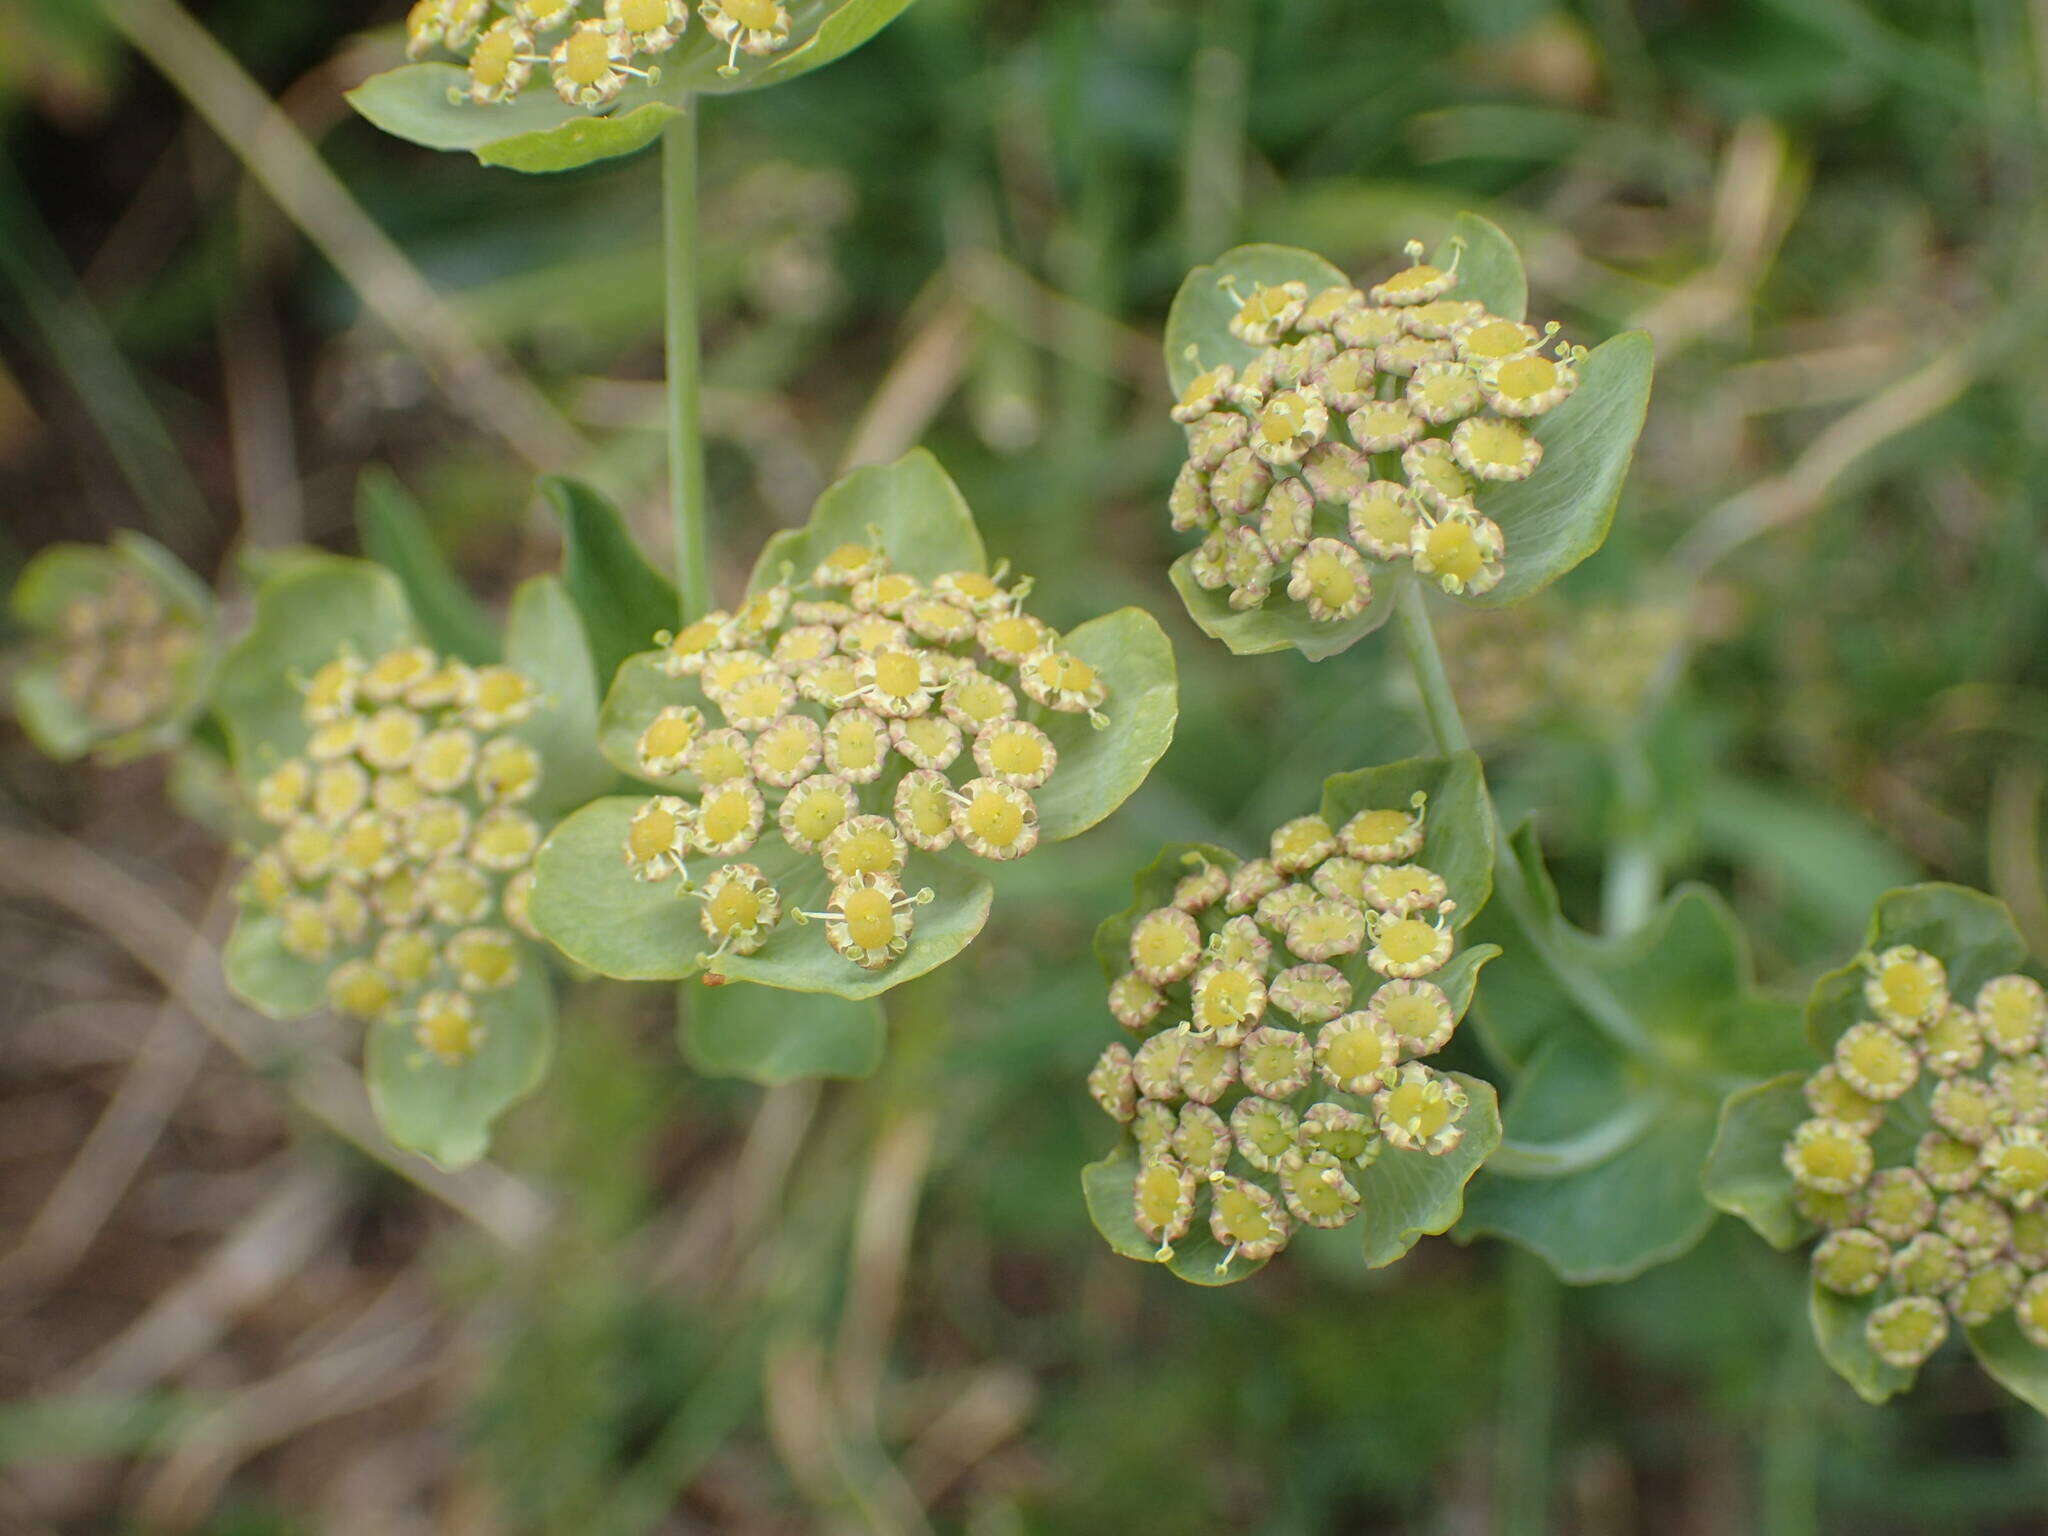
[
  {"x": 1838, "y": 1330},
  {"x": 539, "y": 132},
  {"x": 317, "y": 608},
  {"x": 1100, "y": 769},
  {"x": 1745, "y": 1173},
  {"x": 1152, "y": 887},
  {"x": 276, "y": 984},
  {"x": 1625, "y": 1049},
  {"x": 769, "y": 1036},
  {"x": 1971, "y": 933},
  {"x": 588, "y": 905},
  {"x": 444, "y": 1112},
  {"x": 2012, "y": 1360},
  {"x": 1489, "y": 266},
  {"x": 1560, "y": 514},
  {"x": 1106, "y": 1186},
  {"x": 912, "y": 506},
  {"x": 1198, "y": 326},
  {"x": 1637, "y": 1209},
  {"x": 544, "y": 639},
  {"x": 59, "y": 729},
  {"x": 622, "y": 600},
  {"x": 58, "y": 576},
  {"x": 394, "y": 533},
  {"x": 1280, "y": 623},
  {"x": 1406, "y": 1196},
  {"x": 639, "y": 692},
  {"x": 1457, "y": 818}
]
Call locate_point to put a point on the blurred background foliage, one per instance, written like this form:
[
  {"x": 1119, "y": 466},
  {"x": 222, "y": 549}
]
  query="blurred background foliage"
[{"x": 1809, "y": 665}]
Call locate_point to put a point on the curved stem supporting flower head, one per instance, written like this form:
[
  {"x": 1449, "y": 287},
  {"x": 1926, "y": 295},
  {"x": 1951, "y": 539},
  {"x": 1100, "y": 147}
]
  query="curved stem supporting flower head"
[{"x": 685, "y": 360}]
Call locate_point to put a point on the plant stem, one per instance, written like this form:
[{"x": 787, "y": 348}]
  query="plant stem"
[
  {"x": 1528, "y": 1403},
  {"x": 1439, "y": 703},
  {"x": 685, "y": 360}
]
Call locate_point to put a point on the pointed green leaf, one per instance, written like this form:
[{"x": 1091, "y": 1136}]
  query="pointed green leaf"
[
  {"x": 770, "y": 1036},
  {"x": 544, "y": 639},
  {"x": 276, "y": 984},
  {"x": 1489, "y": 267},
  {"x": 1107, "y": 1185},
  {"x": 913, "y": 506},
  {"x": 2012, "y": 1360},
  {"x": 1406, "y": 1196},
  {"x": 1457, "y": 818},
  {"x": 444, "y": 1112},
  {"x": 1838, "y": 1330},
  {"x": 1100, "y": 769},
  {"x": 539, "y": 132},
  {"x": 305, "y": 616},
  {"x": 394, "y": 533},
  {"x": 1198, "y": 326},
  {"x": 1280, "y": 623},
  {"x": 622, "y": 600},
  {"x": 1745, "y": 1173},
  {"x": 1971, "y": 933},
  {"x": 1560, "y": 514},
  {"x": 588, "y": 905}
]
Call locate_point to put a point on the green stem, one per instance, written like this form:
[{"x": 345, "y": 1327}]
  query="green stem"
[
  {"x": 1790, "y": 1471},
  {"x": 1528, "y": 1405},
  {"x": 1439, "y": 703},
  {"x": 685, "y": 360}
]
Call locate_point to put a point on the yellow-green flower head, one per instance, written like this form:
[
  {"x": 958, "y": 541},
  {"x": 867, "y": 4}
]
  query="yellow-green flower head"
[
  {"x": 1976, "y": 1223},
  {"x": 1929, "y": 1264},
  {"x": 1828, "y": 1156},
  {"x": 1134, "y": 1002},
  {"x": 1330, "y": 579},
  {"x": 1208, "y": 1068},
  {"x": 1111, "y": 1084},
  {"x": 1529, "y": 385},
  {"x": 1852, "y": 1261},
  {"x": 1239, "y": 941},
  {"x": 1266, "y": 315},
  {"x": 869, "y": 919},
  {"x": 650, "y": 26},
  {"x": 1907, "y": 988},
  {"x": 1163, "y": 1201},
  {"x": 2022, "y": 1086},
  {"x": 2012, "y": 1012},
  {"x": 2030, "y": 1237},
  {"x": 1312, "y": 994},
  {"x": 1228, "y": 999},
  {"x": 1246, "y": 1219},
  {"x": 1407, "y": 947},
  {"x": 1968, "y": 1108},
  {"x": 1946, "y": 1163},
  {"x": 740, "y": 908},
  {"x": 2030, "y": 1310},
  {"x": 1201, "y": 1139},
  {"x": 1419, "y": 1013},
  {"x": 757, "y": 27},
  {"x": 1152, "y": 1126},
  {"x": 1489, "y": 449},
  {"x": 2015, "y": 1166},
  {"x": 591, "y": 65},
  {"x": 1952, "y": 1042},
  {"x": 1877, "y": 1062},
  {"x": 1276, "y": 910},
  {"x": 1263, "y": 1131},
  {"x": 1322, "y": 929},
  {"x": 1421, "y": 1111},
  {"x": 1316, "y": 1191},
  {"x": 1155, "y": 1065},
  {"x": 1358, "y": 1052},
  {"x": 1905, "y": 1331},
  {"x": 1829, "y": 1211},
  {"x": 1986, "y": 1292},
  {"x": 501, "y": 63},
  {"x": 1896, "y": 1203},
  {"x": 545, "y": 15}
]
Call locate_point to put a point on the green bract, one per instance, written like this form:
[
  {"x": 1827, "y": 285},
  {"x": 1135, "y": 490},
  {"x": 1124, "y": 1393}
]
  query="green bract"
[
  {"x": 894, "y": 548},
  {"x": 315, "y": 613},
  {"x": 1403, "y": 1192},
  {"x": 1973, "y": 937},
  {"x": 1622, "y": 1050},
  {"x": 771, "y": 1036},
  {"x": 540, "y": 132},
  {"x": 123, "y": 648},
  {"x": 1506, "y": 533}
]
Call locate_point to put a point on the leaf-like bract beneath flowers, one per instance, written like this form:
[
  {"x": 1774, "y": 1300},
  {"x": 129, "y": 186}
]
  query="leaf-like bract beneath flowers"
[
  {"x": 911, "y": 507},
  {"x": 769, "y": 1036}
]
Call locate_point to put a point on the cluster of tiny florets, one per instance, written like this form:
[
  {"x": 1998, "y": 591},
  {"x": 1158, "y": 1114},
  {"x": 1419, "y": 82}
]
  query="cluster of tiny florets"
[
  {"x": 589, "y": 57},
  {"x": 1362, "y": 432},
  {"x": 1953, "y": 1225},
  {"x": 1282, "y": 1011},
  {"x": 401, "y": 846},
  {"x": 855, "y": 716},
  {"x": 123, "y": 653}
]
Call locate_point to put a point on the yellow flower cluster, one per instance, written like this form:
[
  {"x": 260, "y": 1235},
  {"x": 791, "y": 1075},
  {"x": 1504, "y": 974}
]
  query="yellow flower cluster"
[
  {"x": 1362, "y": 431},
  {"x": 589, "y": 58},
  {"x": 838, "y": 710},
  {"x": 1257, "y": 1085},
  {"x": 123, "y": 653},
  {"x": 1945, "y": 1221},
  {"x": 400, "y": 839}
]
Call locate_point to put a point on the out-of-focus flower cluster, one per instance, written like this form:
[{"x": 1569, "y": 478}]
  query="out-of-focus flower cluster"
[
  {"x": 124, "y": 653},
  {"x": 840, "y": 711},
  {"x": 589, "y": 58},
  {"x": 401, "y": 848},
  {"x": 1360, "y": 433},
  {"x": 1262, "y": 1078},
  {"x": 1925, "y": 1158}
]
